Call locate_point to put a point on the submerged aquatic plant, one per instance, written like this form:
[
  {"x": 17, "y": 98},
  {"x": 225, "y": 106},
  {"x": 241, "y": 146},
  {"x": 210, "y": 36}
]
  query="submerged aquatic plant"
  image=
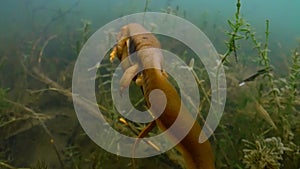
[
  {"x": 294, "y": 75},
  {"x": 264, "y": 153},
  {"x": 236, "y": 27},
  {"x": 40, "y": 165},
  {"x": 262, "y": 49},
  {"x": 170, "y": 10},
  {"x": 146, "y": 7},
  {"x": 264, "y": 60},
  {"x": 85, "y": 32},
  {"x": 3, "y": 103}
]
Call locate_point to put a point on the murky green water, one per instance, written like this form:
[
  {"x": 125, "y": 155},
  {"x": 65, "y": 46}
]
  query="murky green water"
[{"x": 41, "y": 40}]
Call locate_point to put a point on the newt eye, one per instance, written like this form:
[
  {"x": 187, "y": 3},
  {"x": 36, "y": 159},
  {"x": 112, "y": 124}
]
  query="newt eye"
[{"x": 144, "y": 37}]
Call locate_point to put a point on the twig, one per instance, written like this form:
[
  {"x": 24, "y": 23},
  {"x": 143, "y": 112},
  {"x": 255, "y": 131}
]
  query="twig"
[
  {"x": 7, "y": 165},
  {"x": 44, "y": 46},
  {"x": 83, "y": 102},
  {"x": 43, "y": 125},
  {"x": 60, "y": 14},
  {"x": 33, "y": 49}
]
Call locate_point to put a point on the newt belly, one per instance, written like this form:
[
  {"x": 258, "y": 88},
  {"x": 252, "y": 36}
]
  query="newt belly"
[{"x": 196, "y": 155}]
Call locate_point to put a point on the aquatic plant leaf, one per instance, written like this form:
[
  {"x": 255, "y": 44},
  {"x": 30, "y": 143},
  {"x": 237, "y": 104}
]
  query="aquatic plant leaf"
[
  {"x": 246, "y": 30},
  {"x": 264, "y": 114},
  {"x": 191, "y": 64},
  {"x": 232, "y": 26},
  {"x": 238, "y": 37}
]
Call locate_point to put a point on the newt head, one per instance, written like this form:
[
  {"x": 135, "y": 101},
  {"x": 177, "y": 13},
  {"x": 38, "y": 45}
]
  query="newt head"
[{"x": 121, "y": 49}]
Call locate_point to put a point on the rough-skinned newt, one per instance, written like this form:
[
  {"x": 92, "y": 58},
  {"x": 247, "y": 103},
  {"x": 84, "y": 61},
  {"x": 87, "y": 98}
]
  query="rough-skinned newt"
[{"x": 134, "y": 38}]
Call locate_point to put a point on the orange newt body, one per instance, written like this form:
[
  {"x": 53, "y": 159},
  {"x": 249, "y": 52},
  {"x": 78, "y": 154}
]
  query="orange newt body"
[{"x": 196, "y": 155}]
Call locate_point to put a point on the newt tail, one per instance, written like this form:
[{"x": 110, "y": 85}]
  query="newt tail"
[{"x": 196, "y": 155}]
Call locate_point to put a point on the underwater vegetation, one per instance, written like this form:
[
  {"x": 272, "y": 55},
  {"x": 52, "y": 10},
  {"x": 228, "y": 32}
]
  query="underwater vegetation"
[
  {"x": 260, "y": 127},
  {"x": 265, "y": 153}
]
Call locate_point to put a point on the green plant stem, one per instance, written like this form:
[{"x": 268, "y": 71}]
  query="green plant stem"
[
  {"x": 231, "y": 45},
  {"x": 294, "y": 75}
]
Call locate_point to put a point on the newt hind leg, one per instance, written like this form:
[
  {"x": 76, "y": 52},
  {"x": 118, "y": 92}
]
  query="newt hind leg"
[{"x": 142, "y": 134}]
